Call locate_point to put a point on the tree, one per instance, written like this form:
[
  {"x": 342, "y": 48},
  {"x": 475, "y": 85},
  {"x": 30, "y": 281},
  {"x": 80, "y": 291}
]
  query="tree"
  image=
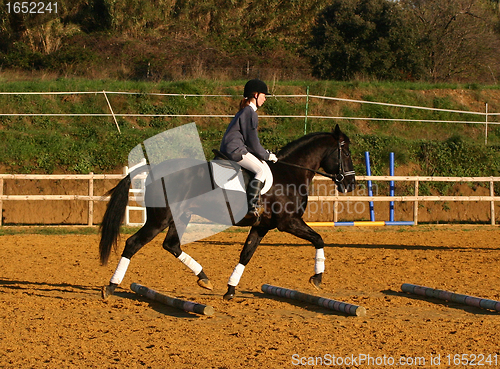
[
  {"x": 458, "y": 37},
  {"x": 45, "y": 31},
  {"x": 364, "y": 38}
]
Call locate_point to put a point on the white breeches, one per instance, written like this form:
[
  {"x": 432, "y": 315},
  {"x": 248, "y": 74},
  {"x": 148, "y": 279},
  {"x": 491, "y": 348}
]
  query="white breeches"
[{"x": 250, "y": 162}]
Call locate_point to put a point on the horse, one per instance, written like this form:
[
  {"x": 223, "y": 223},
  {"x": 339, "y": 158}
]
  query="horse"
[{"x": 284, "y": 205}]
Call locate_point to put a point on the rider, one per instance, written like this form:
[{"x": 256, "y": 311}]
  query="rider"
[{"x": 241, "y": 142}]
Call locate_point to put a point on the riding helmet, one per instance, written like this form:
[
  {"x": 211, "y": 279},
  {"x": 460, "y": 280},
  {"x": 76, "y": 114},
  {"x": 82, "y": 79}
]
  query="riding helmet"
[{"x": 255, "y": 85}]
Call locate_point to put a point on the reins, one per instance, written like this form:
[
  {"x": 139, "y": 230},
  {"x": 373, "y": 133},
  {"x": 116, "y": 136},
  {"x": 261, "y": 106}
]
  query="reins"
[
  {"x": 335, "y": 177},
  {"x": 331, "y": 176},
  {"x": 338, "y": 178}
]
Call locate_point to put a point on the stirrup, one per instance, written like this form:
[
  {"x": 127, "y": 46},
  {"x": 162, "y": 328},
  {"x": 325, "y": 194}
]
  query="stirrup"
[
  {"x": 252, "y": 218},
  {"x": 255, "y": 213}
]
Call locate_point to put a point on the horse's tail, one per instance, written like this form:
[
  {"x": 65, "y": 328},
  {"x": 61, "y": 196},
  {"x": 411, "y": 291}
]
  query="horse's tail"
[{"x": 113, "y": 217}]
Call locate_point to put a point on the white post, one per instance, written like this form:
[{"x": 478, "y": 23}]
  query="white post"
[
  {"x": 127, "y": 209},
  {"x": 336, "y": 206},
  {"x": 486, "y": 126},
  {"x": 415, "y": 204},
  {"x": 91, "y": 202},
  {"x": 1, "y": 202},
  {"x": 112, "y": 112},
  {"x": 492, "y": 204}
]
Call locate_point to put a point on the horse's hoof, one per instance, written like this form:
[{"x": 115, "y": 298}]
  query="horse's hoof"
[
  {"x": 107, "y": 291},
  {"x": 231, "y": 291},
  {"x": 316, "y": 280},
  {"x": 205, "y": 283}
]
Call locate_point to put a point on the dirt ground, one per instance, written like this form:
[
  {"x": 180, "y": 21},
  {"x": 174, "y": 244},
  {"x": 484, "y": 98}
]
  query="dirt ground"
[{"x": 52, "y": 315}]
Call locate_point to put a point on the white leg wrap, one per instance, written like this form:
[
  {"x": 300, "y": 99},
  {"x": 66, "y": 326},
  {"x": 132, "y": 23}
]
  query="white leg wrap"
[
  {"x": 120, "y": 271},
  {"x": 236, "y": 276},
  {"x": 319, "y": 265},
  {"x": 190, "y": 263}
]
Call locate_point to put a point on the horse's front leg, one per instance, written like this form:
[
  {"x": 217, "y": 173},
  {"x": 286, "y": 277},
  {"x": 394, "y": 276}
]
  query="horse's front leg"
[
  {"x": 253, "y": 239},
  {"x": 319, "y": 268},
  {"x": 299, "y": 228}
]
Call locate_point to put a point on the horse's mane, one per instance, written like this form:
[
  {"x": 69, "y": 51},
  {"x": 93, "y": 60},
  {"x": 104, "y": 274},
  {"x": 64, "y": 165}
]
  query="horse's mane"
[{"x": 300, "y": 143}]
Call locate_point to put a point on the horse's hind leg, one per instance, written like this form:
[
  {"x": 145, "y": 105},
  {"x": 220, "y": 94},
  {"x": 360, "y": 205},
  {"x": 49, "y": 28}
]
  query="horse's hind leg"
[
  {"x": 156, "y": 222},
  {"x": 172, "y": 244}
]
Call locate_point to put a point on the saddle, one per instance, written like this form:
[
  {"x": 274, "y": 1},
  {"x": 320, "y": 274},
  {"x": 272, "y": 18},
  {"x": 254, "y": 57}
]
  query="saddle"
[
  {"x": 233, "y": 180},
  {"x": 228, "y": 175}
]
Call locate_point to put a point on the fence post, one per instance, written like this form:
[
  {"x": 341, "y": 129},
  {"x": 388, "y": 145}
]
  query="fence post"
[
  {"x": 391, "y": 186},
  {"x": 1, "y": 202},
  {"x": 486, "y": 126},
  {"x": 307, "y": 110},
  {"x": 127, "y": 209},
  {"x": 492, "y": 204},
  {"x": 112, "y": 112},
  {"x": 336, "y": 205},
  {"x": 415, "y": 204},
  {"x": 91, "y": 202}
]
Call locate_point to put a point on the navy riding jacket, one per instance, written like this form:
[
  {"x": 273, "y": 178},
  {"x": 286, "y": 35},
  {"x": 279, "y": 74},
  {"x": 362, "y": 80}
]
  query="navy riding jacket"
[{"x": 242, "y": 137}]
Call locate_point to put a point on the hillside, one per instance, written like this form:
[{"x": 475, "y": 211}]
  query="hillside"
[
  {"x": 375, "y": 40},
  {"x": 160, "y": 40},
  {"x": 76, "y": 144}
]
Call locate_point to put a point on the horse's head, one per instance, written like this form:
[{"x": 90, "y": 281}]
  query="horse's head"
[{"x": 338, "y": 162}]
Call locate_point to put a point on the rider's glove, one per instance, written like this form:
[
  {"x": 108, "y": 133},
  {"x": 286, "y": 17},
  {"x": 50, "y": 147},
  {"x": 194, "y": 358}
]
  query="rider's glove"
[{"x": 273, "y": 157}]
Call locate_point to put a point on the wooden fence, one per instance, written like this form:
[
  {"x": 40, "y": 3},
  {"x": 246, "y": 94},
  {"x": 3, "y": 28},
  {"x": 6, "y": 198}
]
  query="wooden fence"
[
  {"x": 416, "y": 198},
  {"x": 336, "y": 198},
  {"x": 91, "y": 197}
]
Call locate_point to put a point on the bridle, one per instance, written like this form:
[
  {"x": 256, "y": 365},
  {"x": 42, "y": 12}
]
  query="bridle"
[
  {"x": 342, "y": 173},
  {"x": 337, "y": 178}
]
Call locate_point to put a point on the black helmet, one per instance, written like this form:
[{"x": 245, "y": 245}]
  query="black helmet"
[{"x": 255, "y": 85}]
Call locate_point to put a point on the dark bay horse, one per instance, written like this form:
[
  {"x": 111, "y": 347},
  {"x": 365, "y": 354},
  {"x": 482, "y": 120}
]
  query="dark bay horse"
[{"x": 284, "y": 205}]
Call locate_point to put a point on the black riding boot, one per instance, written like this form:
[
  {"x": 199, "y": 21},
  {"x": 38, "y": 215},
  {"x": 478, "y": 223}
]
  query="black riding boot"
[{"x": 253, "y": 198}]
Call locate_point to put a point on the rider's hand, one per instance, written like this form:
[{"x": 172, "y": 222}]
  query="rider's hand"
[{"x": 273, "y": 157}]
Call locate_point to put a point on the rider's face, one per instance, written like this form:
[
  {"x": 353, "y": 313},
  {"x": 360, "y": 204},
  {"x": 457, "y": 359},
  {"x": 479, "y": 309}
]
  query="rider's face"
[{"x": 261, "y": 98}]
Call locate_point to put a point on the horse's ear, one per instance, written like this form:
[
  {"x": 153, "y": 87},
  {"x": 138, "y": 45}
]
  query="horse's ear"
[{"x": 337, "y": 132}]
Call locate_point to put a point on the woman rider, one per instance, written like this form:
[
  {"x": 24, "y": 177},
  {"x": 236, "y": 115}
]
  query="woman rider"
[{"x": 241, "y": 142}]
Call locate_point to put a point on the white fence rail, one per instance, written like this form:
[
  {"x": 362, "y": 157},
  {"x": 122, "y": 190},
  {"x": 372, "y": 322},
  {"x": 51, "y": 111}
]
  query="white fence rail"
[
  {"x": 91, "y": 197},
  {"x": 336, "y": 198},
  {"x": 483, "y": 117}
]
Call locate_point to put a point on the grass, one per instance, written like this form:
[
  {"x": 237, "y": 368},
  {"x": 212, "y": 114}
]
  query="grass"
[
  {"x": 47, "y": 230},
  {"x": 55, "y": 231},
  {"x": 85, "y": 144}
]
